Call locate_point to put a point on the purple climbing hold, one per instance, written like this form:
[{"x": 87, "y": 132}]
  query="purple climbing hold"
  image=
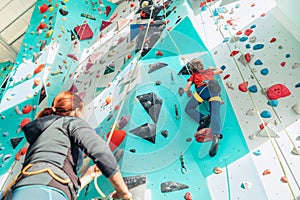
[
  {"x": 297, "y": 85},
  {"x": 265, "y": 114},
  {"x": 258, "y": 46},
  {"x": 258, "y": 62},
  {"x": 264, "y": 71},
  {"x": 123, "y": 121}
]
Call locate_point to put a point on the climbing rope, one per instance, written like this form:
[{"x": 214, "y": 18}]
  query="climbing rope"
[{"x": 256, "y": 108}]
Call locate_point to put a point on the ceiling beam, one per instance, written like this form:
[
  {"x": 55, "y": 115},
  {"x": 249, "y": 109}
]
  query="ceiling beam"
[{"x": 11, "y": 49}]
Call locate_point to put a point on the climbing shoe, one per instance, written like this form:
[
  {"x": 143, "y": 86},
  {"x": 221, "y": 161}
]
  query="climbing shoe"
[
  {"x": 204, "y": 122},
  {"x": 215, "y": 145}
]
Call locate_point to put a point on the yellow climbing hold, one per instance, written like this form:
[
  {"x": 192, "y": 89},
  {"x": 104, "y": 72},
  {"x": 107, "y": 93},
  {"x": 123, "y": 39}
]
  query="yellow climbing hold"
[
  {"x": 49, "y": 33},
  {"x": 51, "y": 9}
]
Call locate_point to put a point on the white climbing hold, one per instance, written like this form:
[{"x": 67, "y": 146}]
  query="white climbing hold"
[
  {"x": 296, "y": 151},
  {"x": 272, "y": 130},
  {"x": 251, "y": 111},
  {"x": 246, "y": 185},
  {"x": 296, "y": 108}
]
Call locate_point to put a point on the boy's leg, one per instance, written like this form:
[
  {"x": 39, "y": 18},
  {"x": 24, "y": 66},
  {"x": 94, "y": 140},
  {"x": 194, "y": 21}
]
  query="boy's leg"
[{"x": 191, "y": 110}]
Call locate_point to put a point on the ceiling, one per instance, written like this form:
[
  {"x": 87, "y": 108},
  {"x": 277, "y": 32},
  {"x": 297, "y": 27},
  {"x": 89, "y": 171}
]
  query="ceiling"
[{"x": 15, "y": 17}]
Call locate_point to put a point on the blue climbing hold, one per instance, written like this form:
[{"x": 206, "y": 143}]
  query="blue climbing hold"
[
  {"x": 248, "y": 46},
  {"x": 258, "y": 62},
  {"x": 237, "y": 5},
  {"x": 215, "y": 12},
  {"x": 223, "y": 67},
  {"x": 265, "y": 114},
  {"x": 253, "y": 26},
  {"x": 257, "y": 152},
  {"x": 243, "y": 39},
  {"x": 203, "y": 8},
  {"x": 297, "y": 85},
  {"x": 226, "y": 39},
  {"x": 253, "y": 88},
  {"x": 258, "y": 46},
  {"x": 287, "y": 55},
  {"x": 273, "y": 103},
  {"x": 264, "y": 71}
]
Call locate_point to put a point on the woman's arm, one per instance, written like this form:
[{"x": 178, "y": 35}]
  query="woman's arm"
[
  {"x": 92, "y": 172},
  {"x": 188, "y": 86},
  {"x": 217, "y": 71},
  {"x": 121, "y": 189}
]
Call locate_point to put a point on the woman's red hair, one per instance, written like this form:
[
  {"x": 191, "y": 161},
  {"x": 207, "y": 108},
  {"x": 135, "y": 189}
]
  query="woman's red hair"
[{"x": 63, "y": 104}]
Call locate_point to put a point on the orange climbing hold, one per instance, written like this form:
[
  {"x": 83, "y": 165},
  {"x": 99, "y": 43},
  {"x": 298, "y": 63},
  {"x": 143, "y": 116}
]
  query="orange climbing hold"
[
  {"x": 39, "y": 69},
  {"x": 218, "y": 170},
  {"x": 36, "y": 82},
  {"x": 284, "y": 179},
  {"x": 20, "y": 153},
  {"x": 43, "y": 8},
  {"x": 108, "y": 100}
]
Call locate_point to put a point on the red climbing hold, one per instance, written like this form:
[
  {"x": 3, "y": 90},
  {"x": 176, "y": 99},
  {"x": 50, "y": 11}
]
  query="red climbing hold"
[
  {"x": 107, "y": 10},
  {"x": 247, "y": 57},
  {"x": 248, "y": 32},
  {"x": 272, "y": 40},
  {"x": 277, "y": 91},
  {"x": 226, "y": 76},
  {"x": 24, "y": 122},
  {"x": 20, "y": 153},
  {"x": 234, "y": 52},
  {"x": 282, "y": 64},
  {"x": 243, "y": 86},
  {"x": 43, "y": 8},
  {"x": 27, "y": 109},
  {"x": 239, "y": 33},
  {"x": 159, "y": 53},
  {"x": 116, "y": 139},
  {"x": 188, "y": 196},
  {"x": 129, "y": 56},
  {"x": 262, "y": 126}
]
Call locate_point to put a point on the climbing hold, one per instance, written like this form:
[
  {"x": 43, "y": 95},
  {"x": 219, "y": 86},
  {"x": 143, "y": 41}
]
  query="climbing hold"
[
  {"x": 246, "y": 185},
  {"x": 284, "y": 179},
  {"x": 273, "y": 103},
  {"x": 248, "y": 32},
  {"x": 297, "y": 85},
  {"x": 295, "y": 65},
  {"x": 258, "y": 62},
  {"x": 243, "y": 39},
  {"x": 223, "y": 67},
  {"x": 188, "y": 139},
  {"x": 287, "y": 55},
  {"x": 18, "y": 111},
  {"x": 24, "y": 122},
  {"x": 188, "y": 196},
  {"x": 49, "y": 33},
  {"x": 252, "y": 39},
  {"x": 39, "y": 69},
  {"x": 266, "y": 172},
  {"x": 16, "y": 141},
  {"x": 253, "y": 88},
  {"x": 20, "y": 153},
  {"x": 230, "y": 85},
  {"x": 157, "y": 82},
  {"x": 263, "y": 125},
  {"x": 248, "y": 57},
  {"x": 63, "y": 12},
  {"x": 218, "y": 170},
  {"x": 277, "y": 91},
  {"x": 108, "y": 100},
  {"x": 282, "y": 64},
  {"x": 265, "y": 114},
  {"x": 272, "y": 40},
  {"x": 226, "y": 76},
  {"x": 36, "y": 82},
  {"x": 72, "y": 56},
  {"x": 84, "y": 32},
  {"x": 251, "y": 111},
  {"x": 248, "y": 46},
  {"x": 164, "y": 133},
  {"x": 257, "y": 152},
  {"x": 26, "y": 109},
  {"x": 43, "y": 8},
  {"x": 258, "y": 46},
  {"x": 180, "y": 91},
  {"x": 159, "y": 53},
  {"x": 226, "y": 39},
  {"x": 6, "y": 157},
  {"x": 296, "y": 108},
  {"x": 239, "y": 33},
  {"x": 243, "y": 86},
  {"x": 264, "y": 71},
  {"x": 107, "y": 10},
  {"x": 253, "y": 26},
  {"x": 132, "y": 150},
  {"x": 242, "y": 59},
  {"x": 123, "y": 121},
  {"x": 233, "y": 53},
  {"x": 116, "y": 138}
]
